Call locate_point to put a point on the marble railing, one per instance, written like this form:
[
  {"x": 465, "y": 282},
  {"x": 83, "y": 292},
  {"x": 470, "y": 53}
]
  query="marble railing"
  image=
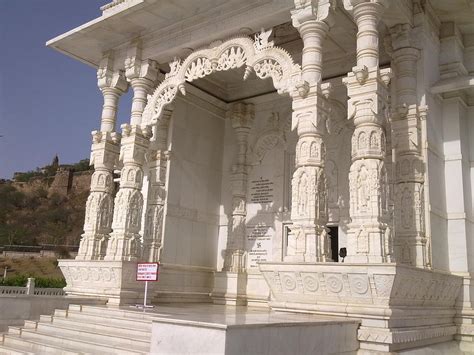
[
  {"x": 30, "y": 290},
  {"x": 49, "y": 292},
  {"x": 12, "y": 290},
  {"x": 15, "y": 290}
]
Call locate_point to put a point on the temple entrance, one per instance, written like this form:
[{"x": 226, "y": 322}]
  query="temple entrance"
[{"x": 334, "y": 240}]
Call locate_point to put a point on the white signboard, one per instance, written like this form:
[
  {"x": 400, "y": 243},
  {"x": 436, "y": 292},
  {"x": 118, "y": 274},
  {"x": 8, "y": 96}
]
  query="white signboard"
[{"x": 147, "y": 271}]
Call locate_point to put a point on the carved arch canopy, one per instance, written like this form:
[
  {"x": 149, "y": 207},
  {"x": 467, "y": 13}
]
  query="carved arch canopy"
[{"x": 259, "y": 56}]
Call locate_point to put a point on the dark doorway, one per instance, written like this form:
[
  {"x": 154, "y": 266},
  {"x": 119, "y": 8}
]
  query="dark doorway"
[{"x": 333, "y": 237}]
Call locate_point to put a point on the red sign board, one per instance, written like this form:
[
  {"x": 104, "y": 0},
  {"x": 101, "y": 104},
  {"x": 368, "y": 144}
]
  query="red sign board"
[{"x": 148, "y": 271}]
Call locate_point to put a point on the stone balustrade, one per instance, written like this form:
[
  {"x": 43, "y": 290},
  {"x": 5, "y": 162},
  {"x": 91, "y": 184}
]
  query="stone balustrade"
[{"x": 30, "y": 290}]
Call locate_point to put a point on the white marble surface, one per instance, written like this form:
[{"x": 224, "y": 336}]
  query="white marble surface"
[{"x": 246, "y": 330}]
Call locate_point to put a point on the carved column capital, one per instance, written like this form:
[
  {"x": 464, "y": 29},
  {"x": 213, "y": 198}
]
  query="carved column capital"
[
  {"x": 108, "y": 77},
  {"x": 142, "y": 75},
  {"x": 350, "y": 5},
  {"x": 402, "y": 36},
  {"x": 313, "y": 11},
  {"x": 242, "y": 115},
  {"x": 112, "y": 84},
  {"x": 136, "y": 67}
]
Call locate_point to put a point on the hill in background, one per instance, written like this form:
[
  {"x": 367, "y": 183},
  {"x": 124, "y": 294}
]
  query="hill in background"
[{"x": 41, "y": 207}]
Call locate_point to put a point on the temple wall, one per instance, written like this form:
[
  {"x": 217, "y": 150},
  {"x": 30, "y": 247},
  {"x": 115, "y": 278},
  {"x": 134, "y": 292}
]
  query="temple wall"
[
  {"x": 456, "y": 174},
  {"x": 470, "y": 139},
  {"x": 194, "y": 182},
  {"x": 268, "y": 181},
  {"x": 428, "y": 74},
  {"x": 271, "y": 155},
  {"x": 267, "y": 157}
]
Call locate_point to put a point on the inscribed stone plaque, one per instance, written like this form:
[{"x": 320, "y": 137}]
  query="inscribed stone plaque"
[
  {"x": 261, "y": 191},
  {"x": 259, "y": 244}
]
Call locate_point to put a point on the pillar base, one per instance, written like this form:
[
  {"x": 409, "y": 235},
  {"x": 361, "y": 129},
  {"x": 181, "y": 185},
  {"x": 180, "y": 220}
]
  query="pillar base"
[
  {"x": 230, "y": 288},
  {"x": 465, "y": 313},
  {"x": 111, "y": 280},
  {"x": 400, "y": 307}
]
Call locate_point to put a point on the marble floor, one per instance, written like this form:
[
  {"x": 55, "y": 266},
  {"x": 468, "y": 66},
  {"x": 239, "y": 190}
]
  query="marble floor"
[
  {"x": 233, "y": 330},
  {"x": 229, "y": 316}
]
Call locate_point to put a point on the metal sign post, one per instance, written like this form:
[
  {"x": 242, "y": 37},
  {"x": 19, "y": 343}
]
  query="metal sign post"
[
  {"x": 147, "y": 272},
  {"x": 146, "y": 291}
]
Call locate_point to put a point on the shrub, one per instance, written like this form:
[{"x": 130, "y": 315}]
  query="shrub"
[
  {"x": 40, "y": 282},
  {"x": 50, "y": 282},
  {"x": 17, "y": 280}
]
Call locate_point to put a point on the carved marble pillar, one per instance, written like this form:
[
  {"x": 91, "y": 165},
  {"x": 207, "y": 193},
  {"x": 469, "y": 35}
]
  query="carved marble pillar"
[
  {"x": 369, "y": 237},
  {"x": 125, "y": 241},
  {"x": 157, "y": 164},
  {"x": 309, "y": 240},
  {"x": 410, "y": 243},
  {"x": 242, "y": 116},
  {"x": 104, "y": 156},
  {"x": 142, "y": 75}
]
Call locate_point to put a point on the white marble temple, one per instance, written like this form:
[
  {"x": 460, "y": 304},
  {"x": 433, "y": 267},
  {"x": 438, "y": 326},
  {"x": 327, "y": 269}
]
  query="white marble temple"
[{"x": 256, "y": 136}]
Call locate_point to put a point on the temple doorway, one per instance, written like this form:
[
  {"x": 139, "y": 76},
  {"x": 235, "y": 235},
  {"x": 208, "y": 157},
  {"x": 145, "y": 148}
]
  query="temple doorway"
[{"x": 334, "y": 240}]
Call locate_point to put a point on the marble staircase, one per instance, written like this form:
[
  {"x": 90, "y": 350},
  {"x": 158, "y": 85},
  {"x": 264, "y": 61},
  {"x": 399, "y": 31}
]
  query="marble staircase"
[
  {"x": 82, "y": 329},
  {"x": 206, "y": 329}
]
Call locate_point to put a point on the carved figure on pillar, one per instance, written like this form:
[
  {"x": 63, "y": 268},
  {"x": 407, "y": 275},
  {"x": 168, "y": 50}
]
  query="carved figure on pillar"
[
  {"x": 157, "y": 163},
  {"x": 410, "y": 242},
  {"x": 368, "y": 238},
  {"x": 242, "y": 116},
  {"x": 104, "y": 157},
  {"x": 309, "y": 240}
]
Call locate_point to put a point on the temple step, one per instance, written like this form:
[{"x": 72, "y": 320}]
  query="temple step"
[
  {"x": 98, "y": 330},
  {"x": 143, "y": 325},
  {"x": 15, "y": 344}
]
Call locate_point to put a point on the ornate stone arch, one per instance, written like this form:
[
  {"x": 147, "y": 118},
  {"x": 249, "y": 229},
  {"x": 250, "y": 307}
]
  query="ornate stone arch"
[
  {"x": 265, "y": 143},
  {"x": 259, "y": 56}
]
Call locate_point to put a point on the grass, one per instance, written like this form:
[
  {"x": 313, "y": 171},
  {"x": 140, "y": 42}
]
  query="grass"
[{"x": 34, "y": 267}]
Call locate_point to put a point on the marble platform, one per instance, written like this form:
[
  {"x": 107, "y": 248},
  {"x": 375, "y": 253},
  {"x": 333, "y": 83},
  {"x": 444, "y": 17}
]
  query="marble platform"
[
  {"x": 181, "y": 329},
  {"x": 215, "y": 329}
]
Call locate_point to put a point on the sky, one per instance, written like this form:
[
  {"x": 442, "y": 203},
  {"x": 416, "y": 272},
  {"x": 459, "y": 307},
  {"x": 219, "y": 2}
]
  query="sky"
[{"x": 49, "y": 103}]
